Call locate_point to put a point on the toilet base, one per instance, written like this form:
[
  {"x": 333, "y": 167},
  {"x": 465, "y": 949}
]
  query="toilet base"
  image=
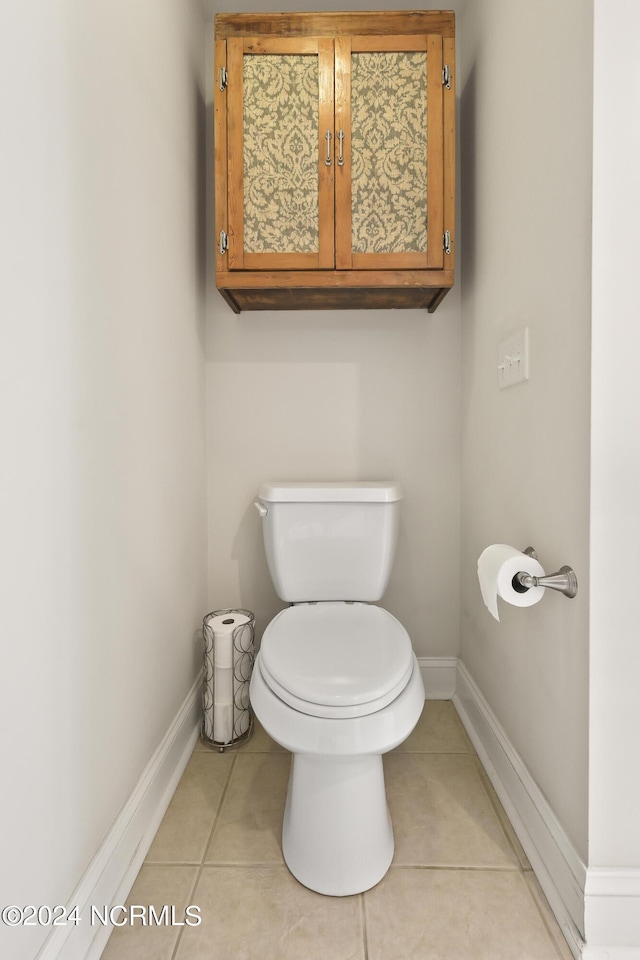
[{"x": 337, "y": 837}]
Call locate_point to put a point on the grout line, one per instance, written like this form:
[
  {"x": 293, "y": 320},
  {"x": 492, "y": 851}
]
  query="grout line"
[
  {"x": 204, "y": 853},
  {"x": 430, "y": 753},
  {"x": 365, "y": 931},
  {"x": 548, "y": 919},
  {"x": 223, "y": 797},
  {"x": 171, "y": 863},
  {"x": 248, "y": 864},
  {"x": 449, "y": 867},
  {"x": 505, "y": 824},
  {"x": 275, "y": 864}
]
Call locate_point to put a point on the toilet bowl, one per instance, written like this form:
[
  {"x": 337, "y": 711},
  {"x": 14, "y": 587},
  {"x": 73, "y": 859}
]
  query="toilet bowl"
[
  {"x": 338, "y": 715},
  {"x": 336, "y": 682}
]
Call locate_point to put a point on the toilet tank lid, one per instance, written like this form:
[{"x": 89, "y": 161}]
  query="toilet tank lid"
[{"x": 335, "y": 491}]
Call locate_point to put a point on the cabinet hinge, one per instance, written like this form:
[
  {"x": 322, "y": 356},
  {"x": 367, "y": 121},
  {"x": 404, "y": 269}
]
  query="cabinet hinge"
[
  {"x": 223, "y": 246},
  {"x": 223, "y": 78},
  {"x": 446, "y": 76},
  {"x": 446, "y": 241}
]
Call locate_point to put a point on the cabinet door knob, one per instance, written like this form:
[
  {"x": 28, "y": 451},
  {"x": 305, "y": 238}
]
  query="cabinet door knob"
[
  {"x": 327, "y": 137},
  {"x": 340, "y": 139}
]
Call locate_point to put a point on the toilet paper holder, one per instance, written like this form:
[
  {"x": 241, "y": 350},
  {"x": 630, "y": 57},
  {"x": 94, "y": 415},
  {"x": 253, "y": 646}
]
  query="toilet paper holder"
[{"x": 564, "y": 580}]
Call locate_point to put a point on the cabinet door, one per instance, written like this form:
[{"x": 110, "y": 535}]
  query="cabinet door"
[
  {"x": 280, "y": 134},
  {"x": 389, "y": 122}
]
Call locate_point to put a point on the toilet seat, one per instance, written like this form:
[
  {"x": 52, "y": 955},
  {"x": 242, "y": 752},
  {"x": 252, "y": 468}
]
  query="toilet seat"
[{"x": 336, "y": 659}]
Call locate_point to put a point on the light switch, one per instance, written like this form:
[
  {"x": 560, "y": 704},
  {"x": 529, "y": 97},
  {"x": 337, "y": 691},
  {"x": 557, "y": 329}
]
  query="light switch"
[{"x": 513, "y": 359}]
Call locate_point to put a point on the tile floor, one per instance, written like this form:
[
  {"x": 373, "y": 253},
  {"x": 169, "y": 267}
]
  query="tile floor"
[{"x": 459, "y": 888}]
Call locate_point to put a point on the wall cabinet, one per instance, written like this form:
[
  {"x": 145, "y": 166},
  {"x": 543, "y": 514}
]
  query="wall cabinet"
[{"x": 334, "y": 159}]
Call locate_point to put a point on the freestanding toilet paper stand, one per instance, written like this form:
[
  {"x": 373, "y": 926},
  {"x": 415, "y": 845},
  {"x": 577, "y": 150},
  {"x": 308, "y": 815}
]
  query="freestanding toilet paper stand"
[
  {"x": 227, "y": 666},
  {"x": 564, "y": 580}
]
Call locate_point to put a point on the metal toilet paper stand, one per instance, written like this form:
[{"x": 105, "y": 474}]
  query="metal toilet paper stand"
[
  {"x": 241, "y": 665},
  {"x": 564, "y": 580}
]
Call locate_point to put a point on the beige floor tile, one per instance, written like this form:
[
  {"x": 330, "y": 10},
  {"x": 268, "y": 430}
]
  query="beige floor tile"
[
  {"x": 547, "y": 915},
  {"x": 442, "y": 814},
  {"x": 445, "y": 814},
  {"x": 504, "y": 819},
  {"x": 249, "y": 826},
  {"x": 454, "y": 915},
  {"x": 262, "y": 912},
  {"x": 184, "y": 831},
  {"x": 155, "y": 886},
  {"x": 439, "y": 730}
]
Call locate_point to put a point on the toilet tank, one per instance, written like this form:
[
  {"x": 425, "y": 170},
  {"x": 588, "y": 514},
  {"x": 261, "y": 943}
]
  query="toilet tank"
[{"x": 330, "y": 541}]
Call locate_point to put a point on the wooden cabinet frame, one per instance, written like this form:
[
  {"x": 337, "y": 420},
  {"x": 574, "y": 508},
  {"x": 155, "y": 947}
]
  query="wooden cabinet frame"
[
  {"x": 434, "y": 255},
  {"x": 334, "y": 276},
  {"x": 237, "y": 48}
]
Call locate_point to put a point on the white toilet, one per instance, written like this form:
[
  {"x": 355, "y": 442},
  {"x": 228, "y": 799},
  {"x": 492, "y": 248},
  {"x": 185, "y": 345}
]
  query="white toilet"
[{"x": 336, "y": 680}]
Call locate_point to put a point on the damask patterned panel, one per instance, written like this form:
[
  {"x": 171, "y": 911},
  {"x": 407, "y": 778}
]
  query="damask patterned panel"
[
  {"x": 389, "y": 152},
  {"x": 280, "y": 154}
]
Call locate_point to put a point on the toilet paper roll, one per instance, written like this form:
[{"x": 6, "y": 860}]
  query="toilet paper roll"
[
  {"x": 241, "y": 699},
  {"x": 223, "y": 628},
  {"x": 223, "y": 721},
  {"x": 497, "y": 566}
]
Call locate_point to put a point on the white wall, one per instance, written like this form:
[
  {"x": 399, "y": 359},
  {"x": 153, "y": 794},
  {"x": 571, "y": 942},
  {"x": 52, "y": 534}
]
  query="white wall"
[
  {"x": 102, "y": 547},
  {"x": 615, "y": 445},
  {"x": 526, "y": 80},
  {"x": 336, "y": 395}
]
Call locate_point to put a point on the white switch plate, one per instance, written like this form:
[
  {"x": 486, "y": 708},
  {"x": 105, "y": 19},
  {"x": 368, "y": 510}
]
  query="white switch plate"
[{"x": 513, "y": 359}]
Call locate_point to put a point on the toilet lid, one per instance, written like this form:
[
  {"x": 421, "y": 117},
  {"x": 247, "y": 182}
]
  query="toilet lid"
[{"x": 336, "y": 659}]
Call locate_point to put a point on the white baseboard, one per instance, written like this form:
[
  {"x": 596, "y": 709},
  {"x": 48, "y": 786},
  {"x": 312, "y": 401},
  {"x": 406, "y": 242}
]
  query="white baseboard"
[
  {"x": 598, "y": 909},
  {"x": 115, "y": 866},
  {"x": 559, "y": 869},
  {"x": 610, "y": 953},
  {"x": 439, "y": 676},
  {"x": 612, "y": 914}
]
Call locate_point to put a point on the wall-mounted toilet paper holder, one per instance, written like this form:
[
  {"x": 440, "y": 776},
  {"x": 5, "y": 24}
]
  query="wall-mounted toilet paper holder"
[{"x": 564, "y": 580}]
